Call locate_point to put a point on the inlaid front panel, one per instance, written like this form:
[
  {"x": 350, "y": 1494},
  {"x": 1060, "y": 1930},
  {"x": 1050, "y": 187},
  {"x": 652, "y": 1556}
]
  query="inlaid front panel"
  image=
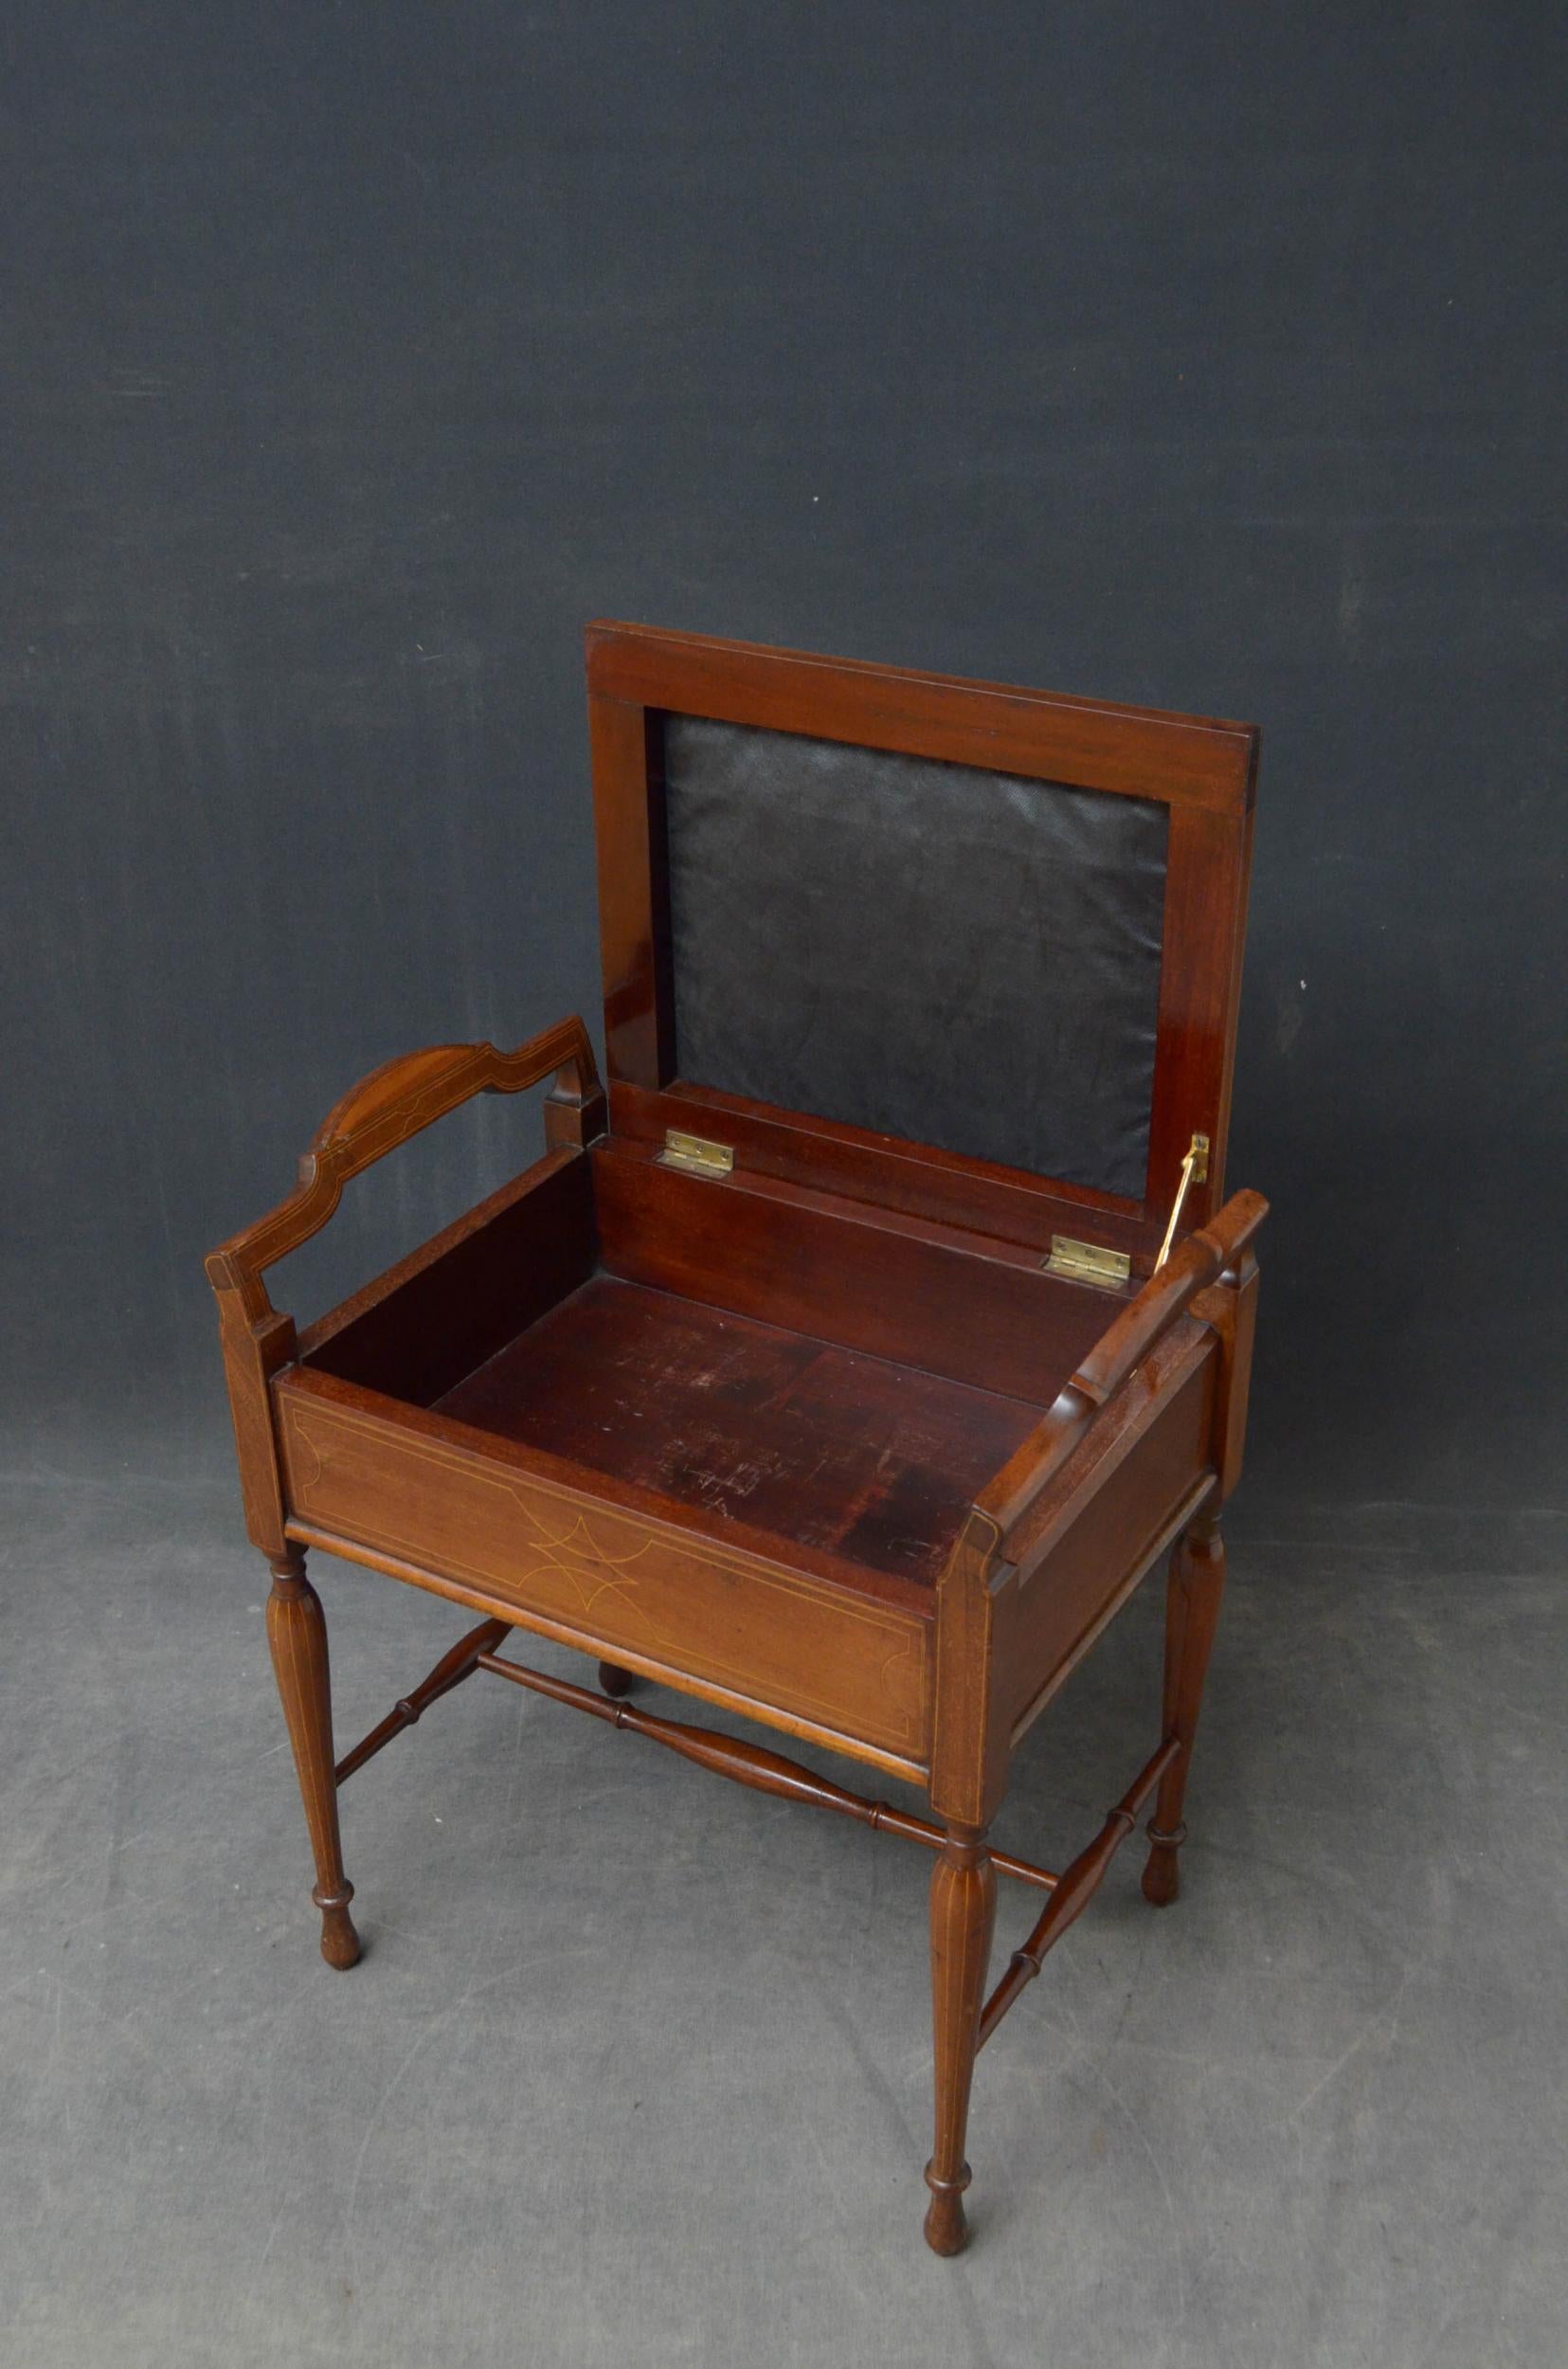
[{"x": 617, "y": 1579}]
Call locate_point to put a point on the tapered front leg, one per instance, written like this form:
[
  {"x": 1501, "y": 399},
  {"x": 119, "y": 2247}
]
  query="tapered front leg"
[
  {"x": 964, "y": 1903},
  {"x": 297, "y": 1632},
  {"x": 1192, "y": 1616}
]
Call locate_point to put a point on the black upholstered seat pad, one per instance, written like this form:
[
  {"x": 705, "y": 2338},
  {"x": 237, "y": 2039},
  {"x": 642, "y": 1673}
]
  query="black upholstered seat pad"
[{"x": 958, "y": 957}]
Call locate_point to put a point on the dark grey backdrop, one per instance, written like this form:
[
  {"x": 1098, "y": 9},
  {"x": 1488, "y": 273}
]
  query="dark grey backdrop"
[{"x": 354, "y": 356}]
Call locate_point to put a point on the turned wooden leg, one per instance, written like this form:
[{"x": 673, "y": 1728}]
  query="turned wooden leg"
[
  {"x": 1192, "y": 1616},
  {"x": 614, "y": 1681},
  {"x": 963, "y": 1903},
  {"x": 297, "y": 1632}
]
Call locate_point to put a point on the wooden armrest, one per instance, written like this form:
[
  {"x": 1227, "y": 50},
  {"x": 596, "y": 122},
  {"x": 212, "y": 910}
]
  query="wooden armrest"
[
  {"x": 1210, "y": 1253},
  {"x": 383, "y": 1111}
]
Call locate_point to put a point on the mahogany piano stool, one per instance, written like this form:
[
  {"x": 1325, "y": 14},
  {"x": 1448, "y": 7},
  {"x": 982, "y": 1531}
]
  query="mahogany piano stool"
[{"x": 850, "y": 1366}]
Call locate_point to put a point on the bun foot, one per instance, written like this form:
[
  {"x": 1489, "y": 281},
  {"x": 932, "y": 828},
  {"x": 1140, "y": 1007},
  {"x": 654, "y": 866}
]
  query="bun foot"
[
  {"x": 946, "y": 2230},
  {"x": 614, "y": 1681},
  {"x": 339, "y": 1941},
  {"x": 1162, "y": 1875}
]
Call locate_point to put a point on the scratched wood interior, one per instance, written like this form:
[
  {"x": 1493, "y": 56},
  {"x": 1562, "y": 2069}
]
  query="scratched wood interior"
[
  {"x": 659, "y": 1329},
  {"x": 871, "y": 1459}
]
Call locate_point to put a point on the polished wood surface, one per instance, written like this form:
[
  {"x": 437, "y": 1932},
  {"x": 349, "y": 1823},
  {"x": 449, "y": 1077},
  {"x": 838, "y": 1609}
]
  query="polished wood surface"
[
  {"x": 1137, "y": 751},
  {"x": 1074, "y": 1889},
  {"x": 818, "y": 1441},
  {"x": 454, "y": 1666},
  {"x": 945, "y": 1188},
  {"x": 439, "y": 1318},
  {"x": 1053, "y": 1603},
  {"x": 964, "y": 1305},
  {"x": 1195, "y": 1587},
  {"x": 385, "y": 1109},
  {"x": 803, "y": 1638},
  {"x": 728, "y": 1756},
  {"x": 297, "y": 1634},
  {"x": 962, "y": 1911},
  {"x": 1126, "y": 1344},
  {"x": 400, "y": 1099},
  {"x": 795, "y": 1436}
]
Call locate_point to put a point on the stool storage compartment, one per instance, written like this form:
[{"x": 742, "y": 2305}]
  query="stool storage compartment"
[{"x": 853, "y": 1359}]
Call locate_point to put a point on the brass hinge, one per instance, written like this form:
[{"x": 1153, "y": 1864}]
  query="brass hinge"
[
  {"x": 1088, "y": 1263},
  {"x": 693, "y": 1155},
  {"x": 1195, "y": 1170}
]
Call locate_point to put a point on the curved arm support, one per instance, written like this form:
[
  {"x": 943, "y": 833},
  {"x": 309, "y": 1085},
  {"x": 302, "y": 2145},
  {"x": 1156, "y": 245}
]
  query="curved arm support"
[
  {"x": 393, "y": 1103},
  {"x": 1211, "y": 1254}
]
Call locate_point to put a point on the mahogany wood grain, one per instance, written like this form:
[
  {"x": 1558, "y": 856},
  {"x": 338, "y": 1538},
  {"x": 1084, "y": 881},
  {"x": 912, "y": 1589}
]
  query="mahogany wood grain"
[
  {"x": 1142, "y": 752},
  {"x": 452, "y": 1668},
  {"x": 965, "y": 1313},
  {"x": 423, "y": 1329},
  {"x": 1207, "y": 870},
  {"x": 386, "y": 1108},
  {"x": 383, "y": 1111},
  {"x": 478, "y": 1598},
  {"x": 1128, "y": 1340},
  {"x": 1231, "y": 1310},
  {"x": 254, "y": 1349},
  {"x": 481, "y": 1220},
  {"x": 610, "y": 1569},
  {"x": 1053, "y": 1607},
  {"x": 304, "y": 1385},
  {"x": 757, "y": 1175},
  {"x": 969, "y": 1727},
  {"x": 1152, "y": 1413},
  {"x": 1196, "y": 1588},
  {"x": 962, "y": 1911},
  {"x": 866, "y": 1458},
  {"x": 1079, "y": 1883},
  {"x": 297, "y": 1634},
  {"x": 996, "y": 1204},
  {"x": 750, "y": 1764},
  {"x": 633, "y": 898}
]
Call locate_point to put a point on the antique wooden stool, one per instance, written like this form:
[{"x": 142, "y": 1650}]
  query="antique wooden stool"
[{"x": 854, "y": 1363}]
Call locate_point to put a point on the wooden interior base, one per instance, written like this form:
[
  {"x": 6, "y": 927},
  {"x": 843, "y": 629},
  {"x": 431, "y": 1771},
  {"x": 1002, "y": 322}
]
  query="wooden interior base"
[
  {"x": 613, "y": 1318},
  {"x": 867, "y": 1459}
]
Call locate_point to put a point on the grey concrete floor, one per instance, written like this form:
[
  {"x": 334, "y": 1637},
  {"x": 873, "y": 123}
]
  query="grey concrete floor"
[{"x": 635, "y": 2066}]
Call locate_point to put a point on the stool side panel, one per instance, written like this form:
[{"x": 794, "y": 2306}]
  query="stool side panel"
[{"x": 1057, "y": 1604}]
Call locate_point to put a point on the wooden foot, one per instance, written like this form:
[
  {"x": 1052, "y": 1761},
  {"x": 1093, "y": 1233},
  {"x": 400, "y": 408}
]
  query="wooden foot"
[
  {"x": 297, "y": 1632},
  {"x": 614, "y": 1681},
  {"x": 1162, "y": 1874},
  {"x": 1192, "y": 1616},
  {"x": 963, "y": 1903}
]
